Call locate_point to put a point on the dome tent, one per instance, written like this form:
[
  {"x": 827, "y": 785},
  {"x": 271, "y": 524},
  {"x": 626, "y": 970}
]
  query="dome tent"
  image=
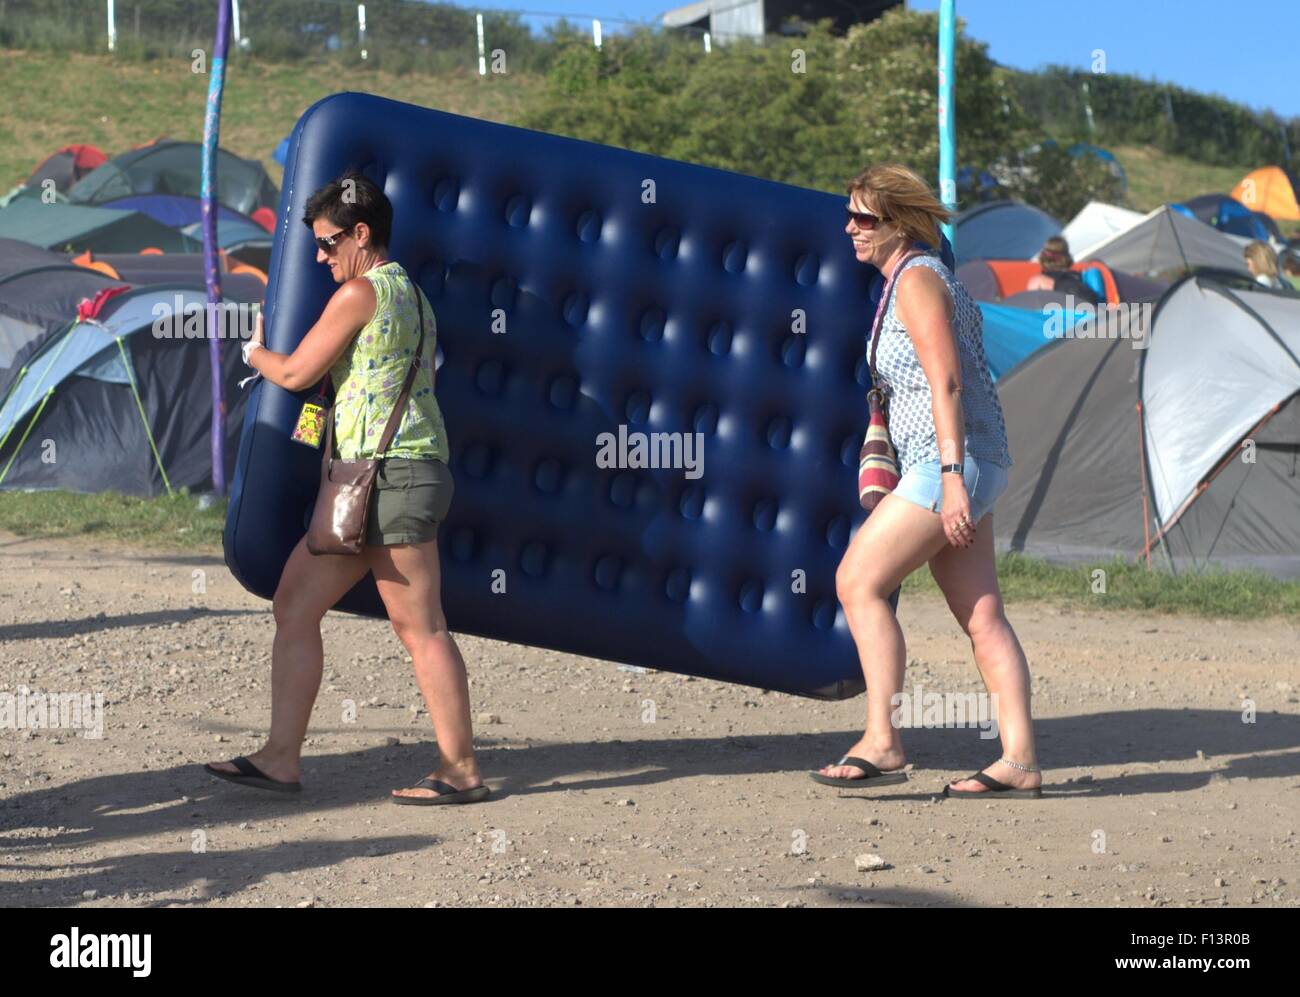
[
  {"x": 129, "y": 410},
  {"x": 170, "y": 167},
  {"x": 75, "y": 227},
  {"x": 1220, "y": 392},
  {"x": 1168, "y": 241},
  {"x": 67, "y": 166},
  {"x": 1229, "y": 215},
  {"x": 1272, "y": 190},
  {"x": 1002, "y": 230},
  {"x": 1096, "y": 477}
]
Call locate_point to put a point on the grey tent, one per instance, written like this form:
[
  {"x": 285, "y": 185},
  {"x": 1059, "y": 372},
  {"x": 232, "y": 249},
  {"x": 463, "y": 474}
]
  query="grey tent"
[
  {"x": 1220, "y": 390},
  {"x": 1095, "y": 477},
  {"x": 126, "y": 398},
  {"x": 35, "y": 305},
  {"x": 171, "y": 167},
  {"x": 1002, "y": 230},
  {"x": 1075, "y": 488},
  {"x": 1167, "y": 241},
  {"x": 40, "y": 292}
]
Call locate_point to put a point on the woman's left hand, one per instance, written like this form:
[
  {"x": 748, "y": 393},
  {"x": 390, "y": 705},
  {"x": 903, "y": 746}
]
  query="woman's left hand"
[{"x": 957, "y": 523}]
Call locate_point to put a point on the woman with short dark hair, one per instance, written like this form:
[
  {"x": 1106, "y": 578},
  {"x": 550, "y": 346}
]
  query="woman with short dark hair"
[{"x": 366, "y": 340}]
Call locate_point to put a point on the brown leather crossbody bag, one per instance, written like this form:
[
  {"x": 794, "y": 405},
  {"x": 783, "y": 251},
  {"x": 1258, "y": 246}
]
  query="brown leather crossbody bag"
[{"x": 338, "y": 523}]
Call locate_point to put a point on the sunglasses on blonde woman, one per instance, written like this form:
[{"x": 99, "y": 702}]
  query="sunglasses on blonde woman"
[{"x": 866, "y": 220}]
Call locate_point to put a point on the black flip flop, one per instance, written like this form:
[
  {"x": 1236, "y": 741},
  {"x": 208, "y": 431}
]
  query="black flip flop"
[
  {"x": 447, "y": 793},
  {"x": 873, "y": 777},
  {"x": 250, "y": 775},
  {"x": 995, "y": 788}
]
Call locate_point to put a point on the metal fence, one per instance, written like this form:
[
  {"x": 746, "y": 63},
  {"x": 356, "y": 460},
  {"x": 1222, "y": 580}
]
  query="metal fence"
[{"x": 397, "y": 34}]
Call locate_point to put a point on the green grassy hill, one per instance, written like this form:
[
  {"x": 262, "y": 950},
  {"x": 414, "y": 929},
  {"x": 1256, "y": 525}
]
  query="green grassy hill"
[
  {"x": 52, "y": 99},
  {"x": 48, "y": 100}
]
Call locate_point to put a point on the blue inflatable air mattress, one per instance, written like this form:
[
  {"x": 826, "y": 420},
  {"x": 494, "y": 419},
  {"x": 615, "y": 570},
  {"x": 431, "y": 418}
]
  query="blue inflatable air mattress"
[{"x": 599, "y": 309}]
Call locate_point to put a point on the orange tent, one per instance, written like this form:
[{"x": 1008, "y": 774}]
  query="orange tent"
[
  {"x": 1272, "y": 190},
  {"x": 1013, "y": 276}
]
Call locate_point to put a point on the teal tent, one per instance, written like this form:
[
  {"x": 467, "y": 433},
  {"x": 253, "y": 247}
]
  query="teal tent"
[{"x": 75, "y": 227}]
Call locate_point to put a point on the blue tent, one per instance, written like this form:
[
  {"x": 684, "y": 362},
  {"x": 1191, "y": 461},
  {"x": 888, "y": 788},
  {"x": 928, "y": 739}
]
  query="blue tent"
[
  {"x": 1003, "y": 230},
  {"x": 1106, "y": 156},
  {"x": 1012, "y": 334},
  {"x": 979, "y": 185},
  {"x": 173, "y": 210},
  {"x": 1229, "y": 215}
]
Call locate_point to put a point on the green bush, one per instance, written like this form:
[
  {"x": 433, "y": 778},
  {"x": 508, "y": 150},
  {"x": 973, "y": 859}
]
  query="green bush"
[
  {"x": 1049, "y": 178},
  {"x": 810, "y": 111}
]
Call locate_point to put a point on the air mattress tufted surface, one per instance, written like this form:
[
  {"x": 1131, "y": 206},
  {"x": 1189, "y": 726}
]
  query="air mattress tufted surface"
[{"x": 599, "y": 312}]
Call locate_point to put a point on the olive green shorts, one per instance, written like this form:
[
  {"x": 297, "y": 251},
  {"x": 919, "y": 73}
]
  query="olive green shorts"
[{"x": 408, "y": 501}]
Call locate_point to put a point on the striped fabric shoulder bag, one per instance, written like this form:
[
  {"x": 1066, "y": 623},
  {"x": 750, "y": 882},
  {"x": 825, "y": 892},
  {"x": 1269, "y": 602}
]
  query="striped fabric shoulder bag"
[{"x": 877, "y": 462}]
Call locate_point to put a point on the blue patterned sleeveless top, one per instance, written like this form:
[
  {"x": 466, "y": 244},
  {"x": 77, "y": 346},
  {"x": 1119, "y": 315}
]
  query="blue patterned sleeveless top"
[{"x": 911, "y": 418}]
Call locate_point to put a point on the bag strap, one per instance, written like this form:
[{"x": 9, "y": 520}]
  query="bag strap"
[
  {"x": 395, "y": 416},
  {"x": 883, "y": 307}
]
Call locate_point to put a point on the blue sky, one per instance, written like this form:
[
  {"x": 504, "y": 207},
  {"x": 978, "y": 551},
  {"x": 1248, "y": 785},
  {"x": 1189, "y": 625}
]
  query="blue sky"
[{"x": 1248, "y": 52}]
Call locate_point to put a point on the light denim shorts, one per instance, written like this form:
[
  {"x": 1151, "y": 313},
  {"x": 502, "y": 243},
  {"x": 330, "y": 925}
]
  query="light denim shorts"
[{"x": 923, "y": 485}]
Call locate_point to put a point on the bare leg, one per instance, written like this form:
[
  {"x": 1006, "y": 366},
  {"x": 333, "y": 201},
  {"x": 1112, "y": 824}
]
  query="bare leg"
[
  {"x": 309, "y": 587},
  {"x": 897, "y": 538},
  {"x": 968, "y": 577},
  {"x": 409, "y": 580}
]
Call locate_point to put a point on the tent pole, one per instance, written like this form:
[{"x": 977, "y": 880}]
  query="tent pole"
[
  {"x": 1203, "y": 485},
  {"x": 63, "y": 342},
  {"x": 1146, "y": 509},
  {"x": 22, "y": 373},
  {"x": 130, "y": 377},
  {"x": 1173, "y": 228},
  {"x": 30, "y": 423}
]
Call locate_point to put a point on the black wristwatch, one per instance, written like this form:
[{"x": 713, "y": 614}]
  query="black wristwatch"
[{"x": 952, "y": 469}]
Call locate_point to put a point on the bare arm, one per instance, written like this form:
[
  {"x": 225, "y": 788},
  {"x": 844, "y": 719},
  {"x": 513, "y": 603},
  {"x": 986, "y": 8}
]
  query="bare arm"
[{"x": 349, "y": 308}]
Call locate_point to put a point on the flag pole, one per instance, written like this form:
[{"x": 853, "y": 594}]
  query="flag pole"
[
  {"x": 211, "y": 273},
  {"x": 948, "y": 113}
]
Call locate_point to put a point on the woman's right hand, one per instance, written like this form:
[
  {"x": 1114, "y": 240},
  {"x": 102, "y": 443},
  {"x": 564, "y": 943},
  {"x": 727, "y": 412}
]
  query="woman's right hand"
[{"x": 956, "y": 511}]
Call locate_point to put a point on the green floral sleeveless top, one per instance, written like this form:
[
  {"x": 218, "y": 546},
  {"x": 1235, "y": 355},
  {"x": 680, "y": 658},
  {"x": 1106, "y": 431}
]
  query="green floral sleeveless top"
[{"x": 368, "y": 376}]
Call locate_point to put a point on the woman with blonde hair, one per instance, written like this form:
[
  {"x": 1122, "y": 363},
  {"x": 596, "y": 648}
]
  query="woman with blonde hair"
[
  {"x": 1261, "y": 261},
  {"x": 946, "y": 425}
]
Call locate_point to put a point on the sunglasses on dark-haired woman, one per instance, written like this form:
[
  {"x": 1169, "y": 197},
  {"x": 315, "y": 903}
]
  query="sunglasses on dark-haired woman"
[{"x": 328, "y": 243}]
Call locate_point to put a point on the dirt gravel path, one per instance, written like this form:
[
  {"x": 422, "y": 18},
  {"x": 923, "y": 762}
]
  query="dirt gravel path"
[{"x": 614, "y": 787}]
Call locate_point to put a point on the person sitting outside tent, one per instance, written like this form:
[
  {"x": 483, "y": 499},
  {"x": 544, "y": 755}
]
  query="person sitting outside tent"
[
  {"x": 1291, "y": 268},
  {"x": 1262, "y": 264},
  {"x": 1057, "y": 276}
]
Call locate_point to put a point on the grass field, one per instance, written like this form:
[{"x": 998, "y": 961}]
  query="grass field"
[
  {"x": 50, "y": 100},
  {"x": 176, "y": 523},
  {"x": 48, "y": 103}
]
